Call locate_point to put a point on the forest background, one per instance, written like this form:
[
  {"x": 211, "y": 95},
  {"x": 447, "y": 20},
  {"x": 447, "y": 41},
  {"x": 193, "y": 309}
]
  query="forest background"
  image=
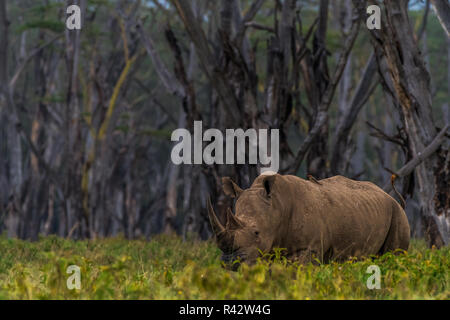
[{"x": 86, "y": 115}]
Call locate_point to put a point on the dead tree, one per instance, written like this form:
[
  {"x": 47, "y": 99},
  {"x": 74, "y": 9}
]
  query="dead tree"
[{"x": 408, "y": 81}]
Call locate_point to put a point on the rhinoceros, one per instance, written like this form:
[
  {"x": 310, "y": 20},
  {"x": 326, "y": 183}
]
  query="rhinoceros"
[{"x": 327, "y": 220}]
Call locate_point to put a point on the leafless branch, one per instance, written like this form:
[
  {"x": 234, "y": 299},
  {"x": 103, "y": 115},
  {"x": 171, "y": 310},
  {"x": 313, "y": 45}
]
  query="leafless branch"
[
  {"x": 382, "y": 135},
  {"x": 419, "y": 157},
  {"x": 167, "y": 78},
  {"x": 442, "y": 9},
  {"x": 328, "y": 95},
  {"x": 424, "y": 20},
  {"x": 207, "y": 61},
  {"x": 259, "y": 26}
]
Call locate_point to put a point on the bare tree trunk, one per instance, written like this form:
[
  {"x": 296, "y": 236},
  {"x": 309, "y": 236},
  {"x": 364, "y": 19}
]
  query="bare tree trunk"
[
  {"x": 14, "y": 145},
  {"x": 13, "y": 138},
  {"x": 170, "y": 212},
  {"x": 411, "y": 82},
  {"x": 318, "y": 153},
  {"x": 72, "y": 159}
]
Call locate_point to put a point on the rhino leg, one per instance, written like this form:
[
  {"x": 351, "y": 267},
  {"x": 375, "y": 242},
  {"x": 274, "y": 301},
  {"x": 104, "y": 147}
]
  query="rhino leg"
[
  {"x": 399, "y": 232},
  {"x": 305, "y": 256}
]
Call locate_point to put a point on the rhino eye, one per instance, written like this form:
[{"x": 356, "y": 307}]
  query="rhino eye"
[{"x": 256, "y": 233}]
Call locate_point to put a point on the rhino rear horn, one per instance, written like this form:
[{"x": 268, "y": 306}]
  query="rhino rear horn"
[
  {"x": 232, "y": 221},
  {"x": 230, "y": 188},
  {"x": 215, "y": 223}
]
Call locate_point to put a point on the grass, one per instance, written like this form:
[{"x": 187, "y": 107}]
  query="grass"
[{"x": 168, "y": 268}]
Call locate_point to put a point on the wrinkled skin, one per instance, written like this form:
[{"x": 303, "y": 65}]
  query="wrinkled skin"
[{"x": 335, "y": 219}]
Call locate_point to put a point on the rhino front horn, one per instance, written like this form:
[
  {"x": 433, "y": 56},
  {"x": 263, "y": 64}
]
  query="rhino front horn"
[{"x": 215, "y": 223}]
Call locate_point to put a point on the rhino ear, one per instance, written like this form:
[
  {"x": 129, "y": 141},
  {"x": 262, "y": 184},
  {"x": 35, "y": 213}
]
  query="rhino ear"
[
  {"x": 230, "y": 188},
  {"x": 268, "y": 184}
]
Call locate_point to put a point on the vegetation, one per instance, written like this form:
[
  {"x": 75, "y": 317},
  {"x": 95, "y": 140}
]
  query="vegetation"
[{"x": 169, "y": 268}]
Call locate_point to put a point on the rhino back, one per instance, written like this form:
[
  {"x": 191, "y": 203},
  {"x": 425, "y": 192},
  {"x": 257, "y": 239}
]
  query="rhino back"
[{"x": 339, "y": 217}]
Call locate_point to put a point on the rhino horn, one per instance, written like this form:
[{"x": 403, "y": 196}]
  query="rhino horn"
[
  {"x": 215, "y": 223},
  {"x": 232, "y": 221}
]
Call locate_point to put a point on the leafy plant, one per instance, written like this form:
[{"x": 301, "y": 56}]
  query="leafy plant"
[{"x": 168, "y": 268}]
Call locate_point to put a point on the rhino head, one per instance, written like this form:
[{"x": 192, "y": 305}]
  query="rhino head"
[{"x": 252, "y": 229}]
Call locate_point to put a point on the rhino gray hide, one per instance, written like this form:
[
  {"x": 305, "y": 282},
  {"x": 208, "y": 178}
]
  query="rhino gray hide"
[{"x": 330, "y": 219}]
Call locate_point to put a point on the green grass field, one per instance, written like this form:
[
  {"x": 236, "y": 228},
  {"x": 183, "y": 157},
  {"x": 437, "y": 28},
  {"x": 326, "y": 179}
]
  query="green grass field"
[{"x": 168, "y": 268}]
